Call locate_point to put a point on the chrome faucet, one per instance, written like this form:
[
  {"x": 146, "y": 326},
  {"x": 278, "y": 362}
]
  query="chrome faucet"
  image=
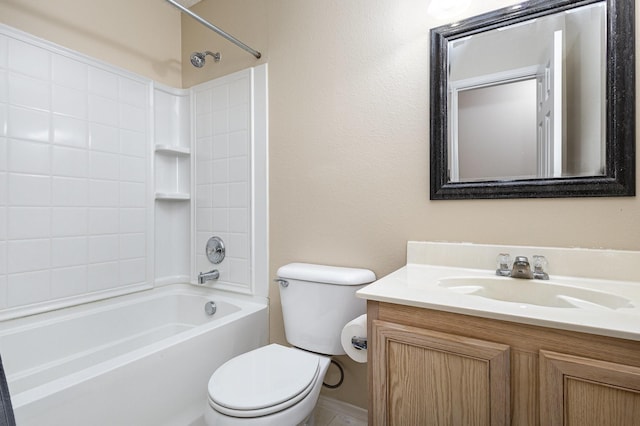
[
  {"x": 521, "y": 267},
  {"x": 203, "y": 277}
]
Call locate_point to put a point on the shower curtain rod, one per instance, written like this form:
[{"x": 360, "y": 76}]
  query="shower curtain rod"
[{"x": 215, "y": 29}]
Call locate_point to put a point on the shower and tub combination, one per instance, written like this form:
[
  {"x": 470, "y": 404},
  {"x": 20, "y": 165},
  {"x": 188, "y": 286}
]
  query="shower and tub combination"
[{"x": 109, "y": 324}]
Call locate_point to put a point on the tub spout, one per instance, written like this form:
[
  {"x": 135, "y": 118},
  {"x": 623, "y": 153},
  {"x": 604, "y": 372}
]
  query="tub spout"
[{"x": 203, "y": 277}]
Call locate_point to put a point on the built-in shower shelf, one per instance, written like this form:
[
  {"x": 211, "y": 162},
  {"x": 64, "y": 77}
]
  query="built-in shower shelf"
[
  {"x": 172, "y": 196},
  {"x": 169, "y": 149}
]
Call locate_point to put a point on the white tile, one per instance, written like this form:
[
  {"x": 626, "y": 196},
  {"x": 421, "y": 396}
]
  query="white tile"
[
  {"x": 204, "y": 149},
  {"x": 28, "y": 59},
  {"x": 69, "y": 221},
  {"x": 3, "y": 292},
  {"x": 132, "y": 194},
  {"x": 133, "y": 169},
  {"x": 4, "y": 119},
  {"x": 133, "y": 143},
  {"x": 238, "y": 245},
  {"x": 239, "y": 92},
  {"x": 27, "y": 190},
  {"x": 238, "y": 195},
  {"x": 3, "y": 222},
  {"x": 104, "y": 138},
  {"x": 239, "y": 271},
  {"x": 69, "y": 72},
  {"x": 204, "y": 219},
  {"x": 220, "y": 195},
  {"x": 133, "y": 92},
  {"x": 3, "y": 258},
  {"x": 69, "y": 192},
  {"x": 220, "y": 170},
  {"x": 239, "y": 169},
  {"x": 133, "y": 118},
  {"x": 28, "y": 92},
  {"x": 133, "y": 220},
  {"x": 103, "y": 248},
  {"x": 132, "y": 246},
  {"x": 28, "y": 255},
  {"x": 132, "y": 271},
  {"x": 69, "y": 101},
  {"x": 66, "y": 282},
  {"x": 203, "y": 102},
  {"x": 26, "y": 123},
  {"x": 103, "y": 221},
  {"x": 29, "y": 222},
  {"x": 220, "y": 122},
  {"x": 69, "y": 251},
  {"x": 103, "y": 110},
  {"x": 204, "y": 172},
  {"x": 220, "y": 147},
  {"x": 103, "y": 83},
  {"x": 239, "y": 143},
  {"x": 3, "y": 51},
  {"x": 220, "y": 98},
  {"x": 3, "y": 188},
  {"x": 203, "y": 126},
  {"x": 238, "y": 118},
  {"x": 103, "y": 276},
  {"x": 220, "y": 220},
  {"x": 104, "y": 165},
  {"x": 103, "y": 193},
  {"x": 69, "y": 162},
  {"x": 3, "y": 155},
  {"x": 29, "y": 157},
  {"x": 69, "y": 131},
  {"x": 24, "y": 289},
  {"x": 238, "y": 220},
  {"x": 4, "y": 86}
]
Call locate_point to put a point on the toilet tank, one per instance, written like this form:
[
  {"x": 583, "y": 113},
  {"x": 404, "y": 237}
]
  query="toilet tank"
[{"x": 317, "y": 302}]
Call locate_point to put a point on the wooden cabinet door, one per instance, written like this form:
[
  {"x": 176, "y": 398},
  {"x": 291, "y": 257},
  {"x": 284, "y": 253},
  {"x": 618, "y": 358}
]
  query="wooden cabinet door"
[
  {"x": 586, "y": 392},
  {"x": 423, "y": 377}
]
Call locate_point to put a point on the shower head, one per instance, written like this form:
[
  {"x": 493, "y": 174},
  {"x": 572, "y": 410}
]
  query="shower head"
[{"x": 198, "y": 58}]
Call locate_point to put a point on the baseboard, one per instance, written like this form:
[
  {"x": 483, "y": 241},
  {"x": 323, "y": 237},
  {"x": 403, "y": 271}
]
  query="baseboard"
[{"x": 341, "y": 407}]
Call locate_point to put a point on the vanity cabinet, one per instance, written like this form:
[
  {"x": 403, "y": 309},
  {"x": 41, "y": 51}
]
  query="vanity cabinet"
[{"x": 429, "y": 367}]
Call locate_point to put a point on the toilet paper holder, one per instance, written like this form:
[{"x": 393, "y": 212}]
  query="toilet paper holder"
[{"x": 360, "y": 343}]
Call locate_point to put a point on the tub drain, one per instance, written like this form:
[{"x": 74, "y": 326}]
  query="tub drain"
[{"x": 210, "y": 308}]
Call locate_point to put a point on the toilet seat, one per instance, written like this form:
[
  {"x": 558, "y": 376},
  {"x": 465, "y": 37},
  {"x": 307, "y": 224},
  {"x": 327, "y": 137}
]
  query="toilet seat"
[{"x": 263, "y": 381}]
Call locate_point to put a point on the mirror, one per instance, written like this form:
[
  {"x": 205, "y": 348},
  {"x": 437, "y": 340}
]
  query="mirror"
[{"x": 535, "y": 100}]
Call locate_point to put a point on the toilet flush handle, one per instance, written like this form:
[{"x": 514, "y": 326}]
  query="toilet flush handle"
[{"x": 283, "y": 283}]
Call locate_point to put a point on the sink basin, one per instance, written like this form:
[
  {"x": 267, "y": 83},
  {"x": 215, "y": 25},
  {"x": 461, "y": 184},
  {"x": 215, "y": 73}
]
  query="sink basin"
[{"x": 534, "y": 292}]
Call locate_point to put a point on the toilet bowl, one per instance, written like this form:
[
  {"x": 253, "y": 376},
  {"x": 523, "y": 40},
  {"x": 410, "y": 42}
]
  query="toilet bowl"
[
  {"x": 271, "y": 385},
  {"x": 277, "y": 385}
]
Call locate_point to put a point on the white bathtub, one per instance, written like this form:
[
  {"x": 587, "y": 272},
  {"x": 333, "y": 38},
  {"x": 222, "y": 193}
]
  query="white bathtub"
[{"x": 141, "y": 359}]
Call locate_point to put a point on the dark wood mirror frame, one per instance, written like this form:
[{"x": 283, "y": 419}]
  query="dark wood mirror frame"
[{"x": 620, "y": 108}]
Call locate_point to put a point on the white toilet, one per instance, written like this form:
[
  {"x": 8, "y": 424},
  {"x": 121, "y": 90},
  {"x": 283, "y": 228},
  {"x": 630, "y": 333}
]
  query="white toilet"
[{"x": 277, "y": 385}]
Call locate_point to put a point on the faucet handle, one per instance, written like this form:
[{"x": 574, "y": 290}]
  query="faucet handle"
[
  {"x": 503, "y": 264},
  {"x": 540, "y": 263}
]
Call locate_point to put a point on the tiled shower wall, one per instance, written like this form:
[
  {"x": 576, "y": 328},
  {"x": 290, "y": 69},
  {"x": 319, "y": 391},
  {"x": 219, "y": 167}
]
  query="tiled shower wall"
[
  {"x": 74, "y": 175},
  {"x": 223, "y": 176}
]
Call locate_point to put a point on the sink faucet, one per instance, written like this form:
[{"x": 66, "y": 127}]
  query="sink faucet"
[
  {"x": 521, "y": 267},
  {"x": 203, "y": 277}
]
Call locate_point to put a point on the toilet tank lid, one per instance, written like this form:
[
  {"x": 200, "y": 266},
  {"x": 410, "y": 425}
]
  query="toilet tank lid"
[{"x": 326, "y": 274}]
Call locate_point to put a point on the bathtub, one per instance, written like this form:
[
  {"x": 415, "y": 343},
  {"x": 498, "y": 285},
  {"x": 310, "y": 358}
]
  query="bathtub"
[{"x": 140, "y": 359}]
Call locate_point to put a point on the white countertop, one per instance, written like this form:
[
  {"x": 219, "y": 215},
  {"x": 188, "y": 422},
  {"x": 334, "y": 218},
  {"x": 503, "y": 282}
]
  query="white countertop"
[{"x": 417, "y": 285}]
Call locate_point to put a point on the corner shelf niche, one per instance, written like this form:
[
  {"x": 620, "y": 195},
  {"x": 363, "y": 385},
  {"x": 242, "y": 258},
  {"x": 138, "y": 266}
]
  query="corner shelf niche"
[{"x": 172, "y": 165}]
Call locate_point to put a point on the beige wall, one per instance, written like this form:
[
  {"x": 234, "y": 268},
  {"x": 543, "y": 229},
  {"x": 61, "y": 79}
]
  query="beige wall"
[
  {"x": 349, "y": 146},
  {"x": 142, "y": 36}
]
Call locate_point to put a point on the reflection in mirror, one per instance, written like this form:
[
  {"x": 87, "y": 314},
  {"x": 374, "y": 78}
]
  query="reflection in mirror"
[{"x": 522, "y": 99}]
